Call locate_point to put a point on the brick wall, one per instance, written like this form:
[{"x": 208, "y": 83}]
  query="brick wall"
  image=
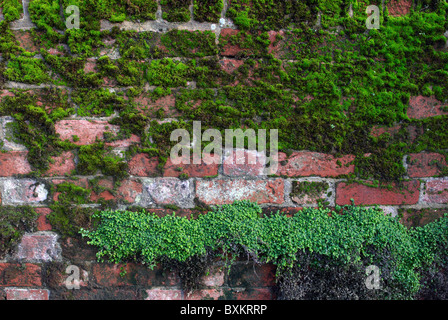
[{"x": 37, "y": 268}]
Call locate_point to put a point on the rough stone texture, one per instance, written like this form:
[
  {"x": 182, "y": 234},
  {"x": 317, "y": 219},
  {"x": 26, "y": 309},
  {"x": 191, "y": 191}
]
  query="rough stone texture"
[
  {"x": 420, "y": 217},
  {"x": 20, "y": 192},
  {"x": 163, "y": 191},
  {"x": 228, "y": 191},
  {"x": 436, "y": 191},
  {"x": 304, "y": 163},
  {"x": 164, "y": 294},
  {"x": 27, "y": 294},
  {"x": 239, "y": 162},
  {"x": 366, "y": 195}
]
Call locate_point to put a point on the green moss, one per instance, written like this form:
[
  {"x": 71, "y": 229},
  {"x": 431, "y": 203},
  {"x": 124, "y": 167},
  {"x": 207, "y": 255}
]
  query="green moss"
[
  {"x": 100, "y": 102},
  {"x": 176, "y": 10},
  {"x": 312, "y": 188},
  {"x": 97, "y": 157},
  {"x": 207, "y": 10},
  {"x": 14, "y": 222},
  {"x": 27, "y": 70},
  {"x": 12, "y": 9},
  {"x": 270, "y": 14},
  {"x": 34, "y": 125}
]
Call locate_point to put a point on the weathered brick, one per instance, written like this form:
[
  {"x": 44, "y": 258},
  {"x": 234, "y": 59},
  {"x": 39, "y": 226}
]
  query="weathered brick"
[
  {"x": 163, "y": 294},
  {"x": 23, "y": 191},
  {"x": 88, "y": 131},
  {"x": 425, "y": 164},
  {"x": 421, "y": 107},
  {"x": 215, "y": 278},
  {"x": 367, "y": 195},
  {"x": 42, "y": 222},
  {"x": 149, "y": 107},
  {"x": 129, "y": 190},
  {"x": 227, "y": 191},
  {"x": 62, "y": 165},
  {"x": 229, "y": 49},
  {"x": 20, "y": 275},
  {"x": 399, "y": 7},
  {"x": 131, "y": 274},
  {"x": 14, "y": 162},
  {"x": 241, "y": 162},
  {"x": 205, "y": 294},
  {"x": 38, "y": 247},
  {"x": 420, "y": 217},
  {"x": 26, "y": 294},
  {"x": 186, "y": 166},
  {"x": 141, "y": 165},
  {"x": 230, "y": 65},
  {"x": 436, "y": 191},
  {"x": 163, "y": 191},
  {"x": 305, "y": 163}
]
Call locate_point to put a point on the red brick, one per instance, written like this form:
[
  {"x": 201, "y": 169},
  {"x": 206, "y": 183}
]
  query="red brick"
[
  {"x": 305, "y": 163},
  {"x": 18, "y": 275},
  {"x": 26, "y": 294},
  {"x": 399, "y": 7},
  {"x": 90, "y": 65},
  {"x": 62, "y": 165},
  {"x": 436, "y": 191},
  {"x": 229, "y": 49},
  {"x": 25, "y": 40},
  {"x": 230, "y": 65},
  {"x": 366, "y": 195},
  {"x": 14, "y": 162},
  {"x": 379, "y": 130},
  {"x": 186, "y": 166},
  {"x": 227, "y": 191},
  {"x": 129, "y": 190},
  {"x": 86, "y": 131},
  {"x": 42, "y": 222},
  {"x": 244, "y": 163},
  {"x": 421, "y": 107},
  {"x": 149, "y": 107},
  {"x": 141, "y": 165},
  {"x": 112, "y": 275},
  {"x": 163, "y": 294},
  {"x": 425, "y": 164}
]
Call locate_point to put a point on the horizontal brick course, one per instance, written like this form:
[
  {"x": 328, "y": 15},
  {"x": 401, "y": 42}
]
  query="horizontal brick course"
[
  {"x": 228, "y": 191},
  {"x": 367, "y": 195},
  {"x": 305, "y": 164}
]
